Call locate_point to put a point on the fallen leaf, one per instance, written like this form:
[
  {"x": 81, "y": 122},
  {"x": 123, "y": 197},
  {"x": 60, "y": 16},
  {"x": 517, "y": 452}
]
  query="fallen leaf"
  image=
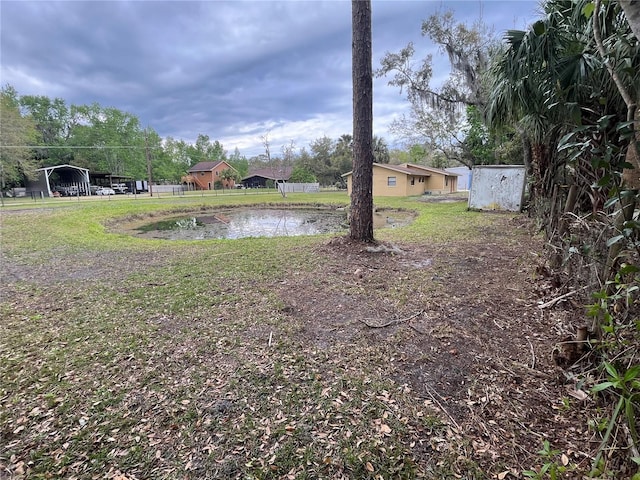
[
  {"x": 503, "y": 475},
  {"x": 565, "y": 460},
  {"x": 369, "y": 467},
  {"x": 579, "y": 394}
]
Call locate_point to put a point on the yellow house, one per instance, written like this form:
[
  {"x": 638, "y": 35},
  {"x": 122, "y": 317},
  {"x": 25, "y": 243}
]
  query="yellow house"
[{"x": 407, "y": 180}]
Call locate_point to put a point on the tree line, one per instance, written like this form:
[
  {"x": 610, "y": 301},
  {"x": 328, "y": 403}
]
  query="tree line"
[{"x": 38, "y": 131}]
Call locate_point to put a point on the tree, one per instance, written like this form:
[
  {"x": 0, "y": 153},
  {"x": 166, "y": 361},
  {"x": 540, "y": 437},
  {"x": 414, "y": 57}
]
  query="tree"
[
  {"x": 630, "y": 95},
  {"x": 380, "y": 150},
  {"x": 361, "y": 221},
  {"x": 204, "y": 150},
  {"x": 302, "y": 175},
  {"x": 438, "y": 115},
  {"x": 172, "y": 160},
  {"x": 53, "y": 122},
  {"x": 523, "y": 85},
  {"x": 278, "y": 166},
  {"x": 342, "y": 158},
  {"x": 116, "y": 138},
  {"x": 322, "y": 152},
  {"x": 17, "y": 134},
  {"x": 304, "y": 161},
  {"x": 239, "y": 162},
  {"x": 550, "y": 81},
  {"x": 229, "y": 176}
]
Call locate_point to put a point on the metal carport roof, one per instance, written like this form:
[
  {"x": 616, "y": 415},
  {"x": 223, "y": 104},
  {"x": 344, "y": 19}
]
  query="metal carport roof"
[{"x": 68, "y": 176}]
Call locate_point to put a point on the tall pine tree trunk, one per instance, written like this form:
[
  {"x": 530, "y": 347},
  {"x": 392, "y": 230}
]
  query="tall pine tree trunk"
[{"x": 361, "y": 225}]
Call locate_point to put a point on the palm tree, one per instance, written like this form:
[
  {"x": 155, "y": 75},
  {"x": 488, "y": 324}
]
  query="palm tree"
[
  {"x": 380, "y": 150},
  {"x": 228, "y": 177},
  {"x": 629, "y": 91},
  {"x": 549, "y": 81}
]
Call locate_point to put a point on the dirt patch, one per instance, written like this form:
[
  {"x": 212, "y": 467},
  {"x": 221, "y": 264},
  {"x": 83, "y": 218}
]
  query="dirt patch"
[{"x": 465, "y": 328}]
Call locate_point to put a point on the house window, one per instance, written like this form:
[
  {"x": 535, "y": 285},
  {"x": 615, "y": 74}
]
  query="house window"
[
  {"x": 446, "y": 181},
  {"x": 217, "y": 173},
  {"x": 202, "y": 174},
  {"x": 391, "y": 181},
  {"x": 413, "y": 180}
]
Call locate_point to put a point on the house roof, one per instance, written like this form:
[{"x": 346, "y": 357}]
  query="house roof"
[
  {"x": 274, "y": 173},
  {"x": 206, "y": 166},
  {"x": 410, "y": 169},
  {"x": 431, "y": 169},
  {"x": 404, "y": 169}
]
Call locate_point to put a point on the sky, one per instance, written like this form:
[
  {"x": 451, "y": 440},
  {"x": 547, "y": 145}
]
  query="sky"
[{"x": 236, "y": 71}]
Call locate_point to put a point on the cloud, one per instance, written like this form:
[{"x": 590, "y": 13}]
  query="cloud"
[{"x": 232, "y": 70}]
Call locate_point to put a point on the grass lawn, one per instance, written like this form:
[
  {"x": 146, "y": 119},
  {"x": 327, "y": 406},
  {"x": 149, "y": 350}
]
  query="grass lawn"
[{"x": 127, "y": 358}]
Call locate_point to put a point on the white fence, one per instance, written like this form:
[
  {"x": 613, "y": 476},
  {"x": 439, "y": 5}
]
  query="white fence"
[
  {"x": 299, "y": 187},
  {"x": 167, "y": 188}
]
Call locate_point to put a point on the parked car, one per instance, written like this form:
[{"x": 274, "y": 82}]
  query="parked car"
[
  {"x": 119, "y": 188},
  {"x": 105, "y": 191}
]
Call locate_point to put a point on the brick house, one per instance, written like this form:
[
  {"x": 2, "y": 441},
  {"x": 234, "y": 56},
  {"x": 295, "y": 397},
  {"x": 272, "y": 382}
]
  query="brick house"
[{"x": 204, "y": 175}]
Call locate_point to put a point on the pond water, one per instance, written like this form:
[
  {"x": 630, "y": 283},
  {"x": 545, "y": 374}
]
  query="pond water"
[{"x": 241, "y": 223}]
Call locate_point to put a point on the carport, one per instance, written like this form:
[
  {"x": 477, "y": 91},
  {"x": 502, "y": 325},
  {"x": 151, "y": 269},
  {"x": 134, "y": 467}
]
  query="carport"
[{"x": 67, "y": 177}]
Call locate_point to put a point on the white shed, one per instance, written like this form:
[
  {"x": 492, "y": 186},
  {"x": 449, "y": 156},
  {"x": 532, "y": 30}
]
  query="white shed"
[{"x": 497, "y": 187}]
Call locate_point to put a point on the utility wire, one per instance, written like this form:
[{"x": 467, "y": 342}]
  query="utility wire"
[{"x": 77, "y": 147}]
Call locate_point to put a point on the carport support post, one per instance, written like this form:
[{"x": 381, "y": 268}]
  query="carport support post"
[{"x": 146, "y": 145}]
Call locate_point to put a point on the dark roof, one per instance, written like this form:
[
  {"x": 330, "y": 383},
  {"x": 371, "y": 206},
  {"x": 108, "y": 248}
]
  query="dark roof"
[
  {"x": 274, "y": 173},
  {"x": 205, "y": 166}
]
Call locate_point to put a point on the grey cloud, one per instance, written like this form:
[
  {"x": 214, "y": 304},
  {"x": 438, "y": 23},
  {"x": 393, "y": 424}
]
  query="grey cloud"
[{"x": 204, "y": 67}]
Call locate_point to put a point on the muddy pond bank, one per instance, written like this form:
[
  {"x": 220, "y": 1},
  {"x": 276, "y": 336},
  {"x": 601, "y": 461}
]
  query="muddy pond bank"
[{"x": 237, "y": 223}]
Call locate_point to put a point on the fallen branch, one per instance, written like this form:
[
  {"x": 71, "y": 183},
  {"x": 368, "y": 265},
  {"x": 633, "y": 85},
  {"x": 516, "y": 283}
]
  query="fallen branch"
[
  {"x": 533, "y": 355},
  {"x": 384, "y": 249},
  {"x": 391, "y": 322},
  {"x": 441, "y": 407},
  {"x": 553, "y": 301}
]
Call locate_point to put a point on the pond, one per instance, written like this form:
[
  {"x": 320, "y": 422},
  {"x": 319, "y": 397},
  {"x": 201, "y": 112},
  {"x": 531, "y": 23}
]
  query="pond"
[{"x": 261, "y": 222}]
